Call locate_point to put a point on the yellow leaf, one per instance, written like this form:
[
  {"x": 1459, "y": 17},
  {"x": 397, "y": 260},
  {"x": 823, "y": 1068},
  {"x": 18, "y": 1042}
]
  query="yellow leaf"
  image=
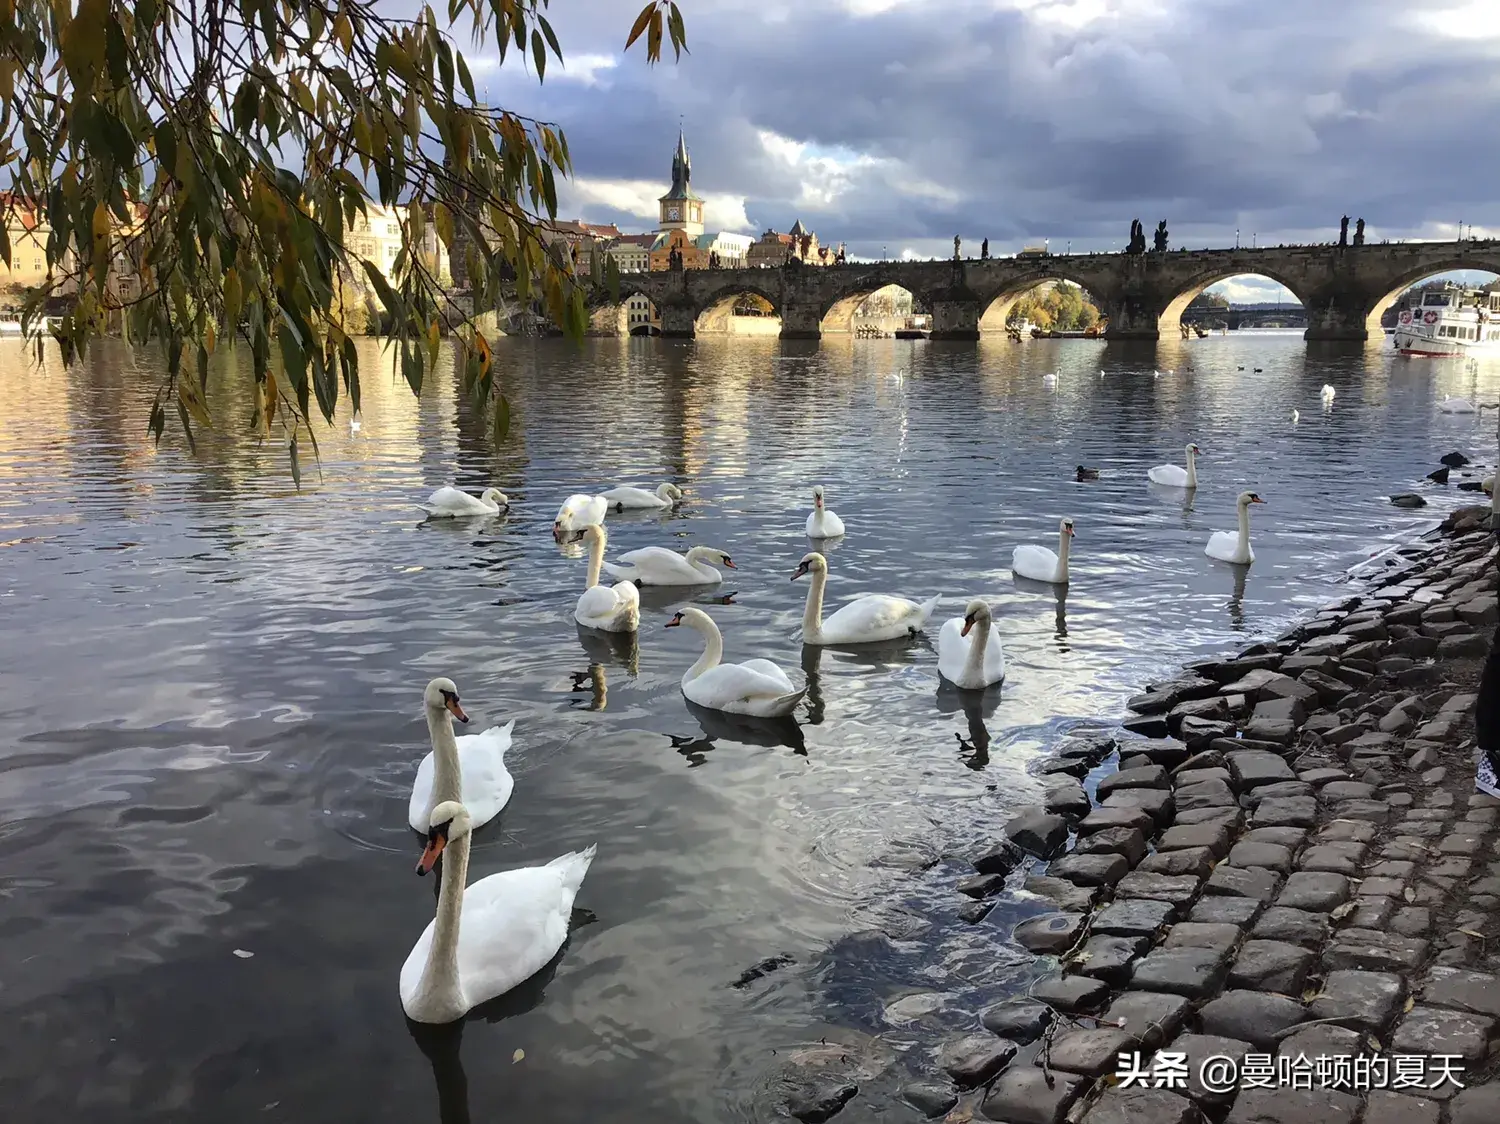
[
  {"x": 1409, "y": 894},
  {"x": 191, "y": 397},
  {"x": 443, "y": 220},
  {"x": 271, "y": 398},
  {"x": 517, "y": 1056},
  {"x": 1410, "y": 1003},
  {"x": 210, "y": 338},
  {"x": 1472, "y": 933},
  {"x": 1373, "y": 1041},
  {"x": 234, "y": 298},
  {"x": 101, "y": 221},
  {"x": 343, "y": 32}
]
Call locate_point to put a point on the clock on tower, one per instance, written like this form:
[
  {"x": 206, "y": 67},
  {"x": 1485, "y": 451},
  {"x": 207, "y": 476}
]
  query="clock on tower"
[{"x": 674, "y": 212}]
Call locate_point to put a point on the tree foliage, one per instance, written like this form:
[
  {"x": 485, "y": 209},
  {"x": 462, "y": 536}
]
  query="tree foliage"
[
  {"x": 215, "y": 152},
  {"x": 1063, "y": 308}
]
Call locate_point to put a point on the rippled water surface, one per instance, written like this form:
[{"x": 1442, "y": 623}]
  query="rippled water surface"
[{"x": 210, "y": 688}]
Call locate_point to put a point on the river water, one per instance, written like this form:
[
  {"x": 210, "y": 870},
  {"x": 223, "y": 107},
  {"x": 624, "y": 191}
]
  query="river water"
[{"x": 210, "y": 687}]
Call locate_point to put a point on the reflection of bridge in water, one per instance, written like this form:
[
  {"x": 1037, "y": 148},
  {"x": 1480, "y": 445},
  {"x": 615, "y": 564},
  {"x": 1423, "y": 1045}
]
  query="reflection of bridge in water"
[{"x": 1344, "y": 290}]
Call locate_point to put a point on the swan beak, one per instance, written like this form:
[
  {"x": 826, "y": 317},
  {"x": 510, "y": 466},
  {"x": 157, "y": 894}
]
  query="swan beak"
[
  {"x": 1257, "y": 499},
  {"x": 674, "y": 622},
  {"x": 968, "y": 624},
  {"x": 730, "y": 565},
  {"x": 456, "y": 710},
  {"x": 799, "y": 571},
  {"x": 436, "y": 841}
]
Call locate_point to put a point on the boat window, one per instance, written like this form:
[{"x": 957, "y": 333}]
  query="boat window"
[{"x": 1435, "y": 300}]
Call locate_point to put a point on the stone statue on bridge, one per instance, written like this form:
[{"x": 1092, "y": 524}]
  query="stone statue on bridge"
[
  {"x": 984, "y": 250},
  {"x": 1137, "y": 238},
  {"x": 1161, "y": 237},
  {"x": 956, "y": 241},
  {"x": 1359, "y": 232},
  {"x": 1344, "y": 231}
]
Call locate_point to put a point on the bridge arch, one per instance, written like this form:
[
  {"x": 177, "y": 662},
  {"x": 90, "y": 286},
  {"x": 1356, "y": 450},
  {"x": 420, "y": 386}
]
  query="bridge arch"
[
  {"x": 996, "y": 307},
  {"x": 839, "y": 300},
  {"x": 719, "y": 311},
  {"x": 1169, "y": 321},
  {"x": 1465, "y": 263}
]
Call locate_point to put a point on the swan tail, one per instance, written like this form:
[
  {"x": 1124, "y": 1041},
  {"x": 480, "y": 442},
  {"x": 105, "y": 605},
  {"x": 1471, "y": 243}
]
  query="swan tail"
[
  {"x": 574, "y": 866},
  {"x": 624, "y": 573},
  {"x": 787, "y": 703},
  {"x": 928, "y": 608}
]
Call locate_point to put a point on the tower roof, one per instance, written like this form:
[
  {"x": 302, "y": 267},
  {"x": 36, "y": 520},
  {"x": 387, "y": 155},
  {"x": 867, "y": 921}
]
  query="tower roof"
[
  {"x": 798, "y": 229},
  {"x": 682, "y": 173}
]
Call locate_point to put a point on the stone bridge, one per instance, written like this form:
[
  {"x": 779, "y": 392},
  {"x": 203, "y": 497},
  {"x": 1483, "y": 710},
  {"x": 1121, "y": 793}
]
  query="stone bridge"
[{"x": 1344, "y": 289}]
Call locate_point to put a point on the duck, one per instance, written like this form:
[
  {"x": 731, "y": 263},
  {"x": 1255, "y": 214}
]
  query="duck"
[
  {"x": 354, "y": 425},
  {"x": 865, "y": 620},
  {"x": 1227, "y": 546},
  {"x": 1174, "y": 476},
  {"x": 1086, "y": 473},
  {"x": 755, "y": 687},
  {"x": 489, "y": 937},
  {"x": 1451, "y": 405},
  {"x": 1296, "y": 416},
  {"x": 612, "y": 608},
  {"x": 656, "y": 565},
  {"x": 577, "y": 512},
  {"x": 470, "y": 768},
  {"x": 626, "y": 498},
  {"x": 971, "y": 662},
  {"x": 1439, "y": 475},
  {"x": 821, "y": 522},
  {"x": 1040, "y": 564},
  {"x": 449, "y": 502}
]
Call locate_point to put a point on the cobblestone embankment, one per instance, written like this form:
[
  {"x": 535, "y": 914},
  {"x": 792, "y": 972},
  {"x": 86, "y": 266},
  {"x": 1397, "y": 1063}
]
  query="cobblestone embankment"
[{"x": 1291, "y": 870}]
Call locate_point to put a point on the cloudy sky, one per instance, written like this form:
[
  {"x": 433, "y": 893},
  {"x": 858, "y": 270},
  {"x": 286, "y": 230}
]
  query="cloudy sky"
[{"x": 895, "y": 124}]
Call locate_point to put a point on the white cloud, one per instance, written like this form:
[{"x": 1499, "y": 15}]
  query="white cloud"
[
  {"x": 638, "y": 198},
  {"x": 586, "y": 68},
  {"x": 1253, "y": 289}
]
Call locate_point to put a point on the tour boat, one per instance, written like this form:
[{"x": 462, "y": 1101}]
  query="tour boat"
[{"x": 1449, "y": 322}]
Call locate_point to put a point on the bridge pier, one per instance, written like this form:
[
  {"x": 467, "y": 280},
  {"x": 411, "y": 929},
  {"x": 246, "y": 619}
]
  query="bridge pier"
[
  {"x": 955, "y": 319},
  {"x": 678, "y": 321},
  {"x": 801, "y": 320},
  {"x": 609, "y": 320},
  {"x": 1131, "y": 317},
  {"x": 1331, "y": 318}
]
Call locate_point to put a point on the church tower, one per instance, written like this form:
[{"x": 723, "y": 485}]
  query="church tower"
[{"x": 681, "y": 209}]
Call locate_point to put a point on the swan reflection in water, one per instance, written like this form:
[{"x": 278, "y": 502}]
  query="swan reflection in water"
[
  {"x": 622, "y": 649},
  {"x": 596, "y": 681},
  {"x": 745, "y": 729},
  {"x": 1237, "y": 598},
  {"x": 663, "y": 597},
  {"x": 880, "y": 656},
  {"x": 1057, "y": 593},
  {"x": 975, "y": 706},
  {"x": 1183, "y": 498},
  {"x": 441, "y": 1042}
]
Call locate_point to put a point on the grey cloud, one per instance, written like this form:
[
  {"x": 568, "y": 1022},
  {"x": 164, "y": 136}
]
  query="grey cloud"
[{"x": 1268, "y": 115}]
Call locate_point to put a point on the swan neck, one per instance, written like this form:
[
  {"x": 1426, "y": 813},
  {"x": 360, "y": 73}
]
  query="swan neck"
[
  {"x": 1244, "y": 528},
  {"x": 1064, "y": 543},
  {"x": 440, "y": 984},
  {"x": 812, "y": 615},
  {"x": 713, "y": 649},
  {"x": 596, "y": 561},
  {"x": 1192, "y": 469},
  {"x": 979, "y": 641},
  {"x": 447, "y": 779}
]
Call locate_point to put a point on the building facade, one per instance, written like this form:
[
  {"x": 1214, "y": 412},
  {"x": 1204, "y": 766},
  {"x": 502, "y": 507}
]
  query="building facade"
[{"x": 798, "y": 244}]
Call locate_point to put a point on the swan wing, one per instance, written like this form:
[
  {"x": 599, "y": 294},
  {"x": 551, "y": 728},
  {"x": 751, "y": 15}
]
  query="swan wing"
[
  {"x": 1172, "y": 475},
  {"x": 747, "y": 688},
  {"x": 824, "y": 525},
  {"x": 487, "y": 782},
  {"x": 627, "y": 496},
  {"x": 1225, "y": 546},
  {"x": 615, "y": 607},
  {"x": 953, "y": 649},
  {"x": 770, "y": 671},
  {"x": 448, "y": 500},
  {"x": 876, "y": 617},
  {"x": 1035, "y": 562},
  {"x": 418, "y": 810},
  {"x": 656, "y": 565},
  {"x": 579, "y": 510}
]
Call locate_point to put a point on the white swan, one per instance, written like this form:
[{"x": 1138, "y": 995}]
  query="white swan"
[
  {"x": 972, "y": 663},
  {"x": 626, "y": 498},
  {"x": 755, "y": 687},
  {"x": 865, "y": 620},
  {"x": 614, "y": 608},
  {"x": 452, "y": 503},
  {"x": 1227, "y": 546},
  {"x": 579, "y": 511},
  {"x": 1296, "y": 417},
  {"x": 470, "y": 768},
  {"x": 1049, "y": 379},
  {"x": 493, "y": 935},
  {"x": 656, "y": 565},
  {"x": 1450, "y": 405},
  {"x": 1040, "y": 564},
  {"x": 1174, "y": 476},
  {"x": 1328, "y": 393},
  {"x": 822, "y": 523}
]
